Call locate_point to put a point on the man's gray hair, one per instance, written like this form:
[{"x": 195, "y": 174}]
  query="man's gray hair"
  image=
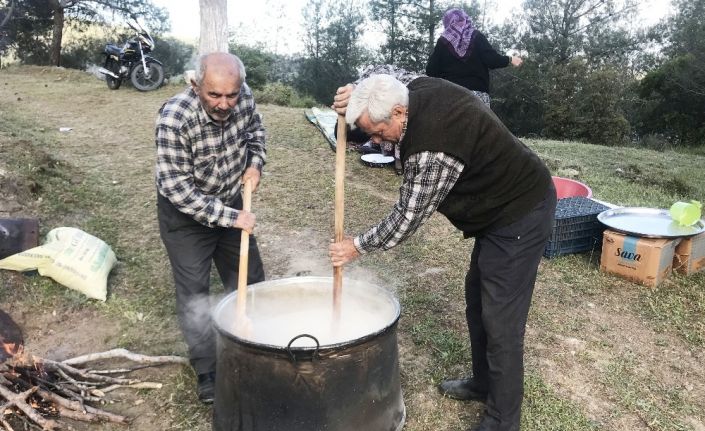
[
  {"x": 201, "y": 67},
  {"x": 376, "y": 95}
]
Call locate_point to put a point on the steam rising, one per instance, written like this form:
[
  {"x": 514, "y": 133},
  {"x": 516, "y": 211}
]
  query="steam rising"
[{"x": 286, "y": 308}]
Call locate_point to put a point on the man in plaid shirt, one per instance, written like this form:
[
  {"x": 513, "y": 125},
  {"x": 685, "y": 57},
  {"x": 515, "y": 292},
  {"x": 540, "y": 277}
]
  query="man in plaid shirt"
[
  {"x": 210, "y": 140},
  {"x": 460, "y": 160}
]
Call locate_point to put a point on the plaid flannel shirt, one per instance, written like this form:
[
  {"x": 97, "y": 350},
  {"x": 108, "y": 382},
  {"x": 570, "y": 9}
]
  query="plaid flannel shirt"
[
  {"x": 200, "y": 162},
  {"x": 428, "y": 178}
]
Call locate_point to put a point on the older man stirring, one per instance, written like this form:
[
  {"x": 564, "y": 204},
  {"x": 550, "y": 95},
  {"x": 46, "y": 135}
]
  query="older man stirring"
[{"x": 460, "y": 160}]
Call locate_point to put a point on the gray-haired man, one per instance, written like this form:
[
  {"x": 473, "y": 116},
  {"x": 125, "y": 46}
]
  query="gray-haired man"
[
  {"x": 460, "y": 160},
  {"x": 210, "y": 140}
]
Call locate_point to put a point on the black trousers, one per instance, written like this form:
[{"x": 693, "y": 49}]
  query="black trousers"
[
  {"x": 498, "y": 290},
  {"x": 192, "y": 247}
]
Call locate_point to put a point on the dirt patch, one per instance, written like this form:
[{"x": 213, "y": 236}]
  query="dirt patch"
[
  {"x": 12, "y": 190},
  {"x": 18, "y": 194},
  {"x": 585, "y": 341},
  {"x": 607, "y": 356}
]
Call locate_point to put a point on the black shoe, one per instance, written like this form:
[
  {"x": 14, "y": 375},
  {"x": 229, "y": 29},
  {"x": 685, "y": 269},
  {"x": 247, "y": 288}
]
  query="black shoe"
[
  {"x": 463, "y": 389},
  {"x": 206, "y": 387}
]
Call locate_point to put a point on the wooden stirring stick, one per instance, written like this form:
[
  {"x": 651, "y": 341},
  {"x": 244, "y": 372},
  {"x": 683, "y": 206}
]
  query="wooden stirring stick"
[
  {"x": 340, "y": 148},
  {"x": 243, "y": 323}
]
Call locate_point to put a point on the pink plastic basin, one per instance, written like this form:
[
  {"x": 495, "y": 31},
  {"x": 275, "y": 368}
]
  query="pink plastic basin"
[{"x": 567, "y": 188}]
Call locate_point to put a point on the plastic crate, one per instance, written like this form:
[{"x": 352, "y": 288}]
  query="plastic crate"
[{"x": 575, "y": 228}]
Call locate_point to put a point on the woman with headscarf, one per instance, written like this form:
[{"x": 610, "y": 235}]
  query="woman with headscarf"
[{"x": 464, "y": 56}]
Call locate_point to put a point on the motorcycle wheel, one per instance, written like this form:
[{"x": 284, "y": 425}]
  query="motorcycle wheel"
[
  {"x": 113, "y": 66},
  {"x": 144, "y": 82}
]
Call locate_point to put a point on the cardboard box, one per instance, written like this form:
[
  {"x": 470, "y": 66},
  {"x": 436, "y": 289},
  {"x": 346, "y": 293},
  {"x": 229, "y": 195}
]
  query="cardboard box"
[
  {"x": 690, "y": 255},
  {"x": 647, "y": 261}
]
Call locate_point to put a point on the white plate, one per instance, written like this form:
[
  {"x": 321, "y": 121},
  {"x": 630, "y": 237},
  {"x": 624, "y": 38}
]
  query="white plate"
[{"x": 377, "y": 159}]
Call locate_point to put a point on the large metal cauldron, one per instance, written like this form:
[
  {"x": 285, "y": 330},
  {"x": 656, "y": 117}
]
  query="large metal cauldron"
[{"x": 277, "y": 378}]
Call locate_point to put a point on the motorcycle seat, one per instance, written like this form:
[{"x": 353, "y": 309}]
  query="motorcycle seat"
[{"x": 113, "y": 49}]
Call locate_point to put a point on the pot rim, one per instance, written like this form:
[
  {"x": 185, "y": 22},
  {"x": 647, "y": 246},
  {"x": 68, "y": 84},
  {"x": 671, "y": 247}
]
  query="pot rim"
[{"x": 306, "y": 349}]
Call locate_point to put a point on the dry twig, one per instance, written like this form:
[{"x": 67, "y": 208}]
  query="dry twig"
[
  {"x": 126, "y": 354},
  {"x": 68, "y": 388},
  {"x": 20, "y": 401}
]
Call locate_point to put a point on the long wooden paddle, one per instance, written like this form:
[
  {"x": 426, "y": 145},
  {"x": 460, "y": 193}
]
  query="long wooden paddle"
[
  {"x": 340, "y": 148},
  {"x": 242, "y": 321}
]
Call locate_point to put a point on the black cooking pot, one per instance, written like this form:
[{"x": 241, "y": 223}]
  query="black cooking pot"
[{"x": 300, "y": 369}]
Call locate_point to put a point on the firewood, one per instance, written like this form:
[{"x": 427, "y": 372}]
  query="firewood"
[
  {"x": 55, "y": 366},
  {"x": 5, "y": 424},
  {"x": 20, "y": 401},
  {"x": 64, "y": 389},
  {"x": 118, "y": 370},
  {"x": 141, "y": 385},
  {"x": 79, "y": 407},
  {"x": 126, "y": 354}
]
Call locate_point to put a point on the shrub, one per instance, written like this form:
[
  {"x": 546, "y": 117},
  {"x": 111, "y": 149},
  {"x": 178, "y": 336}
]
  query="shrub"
[
  {"x": 257, "y": 64},
  {"x": 79, "y": 54},
  {"x": 276, "y": 93},
  {"x": 656, "y": 141},
  {"x": 174, "y": 55}
]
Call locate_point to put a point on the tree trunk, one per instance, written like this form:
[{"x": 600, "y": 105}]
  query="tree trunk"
[
  {"x": 7, "y": 17},
  {"x": 392, "y": 37},
  {"x": 431, "y": 25},
  {"x": 214, "y": 26},
  {"x": 58, "y": 33}
]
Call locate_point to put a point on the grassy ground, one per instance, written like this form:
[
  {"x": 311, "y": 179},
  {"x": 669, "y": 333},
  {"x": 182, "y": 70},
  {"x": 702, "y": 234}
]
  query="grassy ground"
[{"x": 601, "y": 353}]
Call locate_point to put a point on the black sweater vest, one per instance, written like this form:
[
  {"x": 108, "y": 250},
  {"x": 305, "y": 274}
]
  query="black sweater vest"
[{"x": 503, "y": 180}]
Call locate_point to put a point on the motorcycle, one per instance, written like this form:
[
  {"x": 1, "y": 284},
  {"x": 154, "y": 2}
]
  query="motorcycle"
[{"x": 132, "y": 60}]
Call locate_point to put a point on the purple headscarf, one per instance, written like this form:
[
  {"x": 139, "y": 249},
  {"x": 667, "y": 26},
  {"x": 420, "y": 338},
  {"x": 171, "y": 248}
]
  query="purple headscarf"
[{"x": 458, "y": 32}]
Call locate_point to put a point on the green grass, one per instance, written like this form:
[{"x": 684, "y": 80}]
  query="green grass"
[
  {"x": 628, "y": 176},
  {"x": 634, "y": 390},
  {"x": 67, "y": 196},
  {"x": 581, "y": 323},
  {"x": 546, "y": 410},
  {"x": 680, "y": 307}
]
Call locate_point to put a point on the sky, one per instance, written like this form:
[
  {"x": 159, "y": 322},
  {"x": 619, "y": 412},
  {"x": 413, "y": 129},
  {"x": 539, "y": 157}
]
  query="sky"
[{"x": 276, "y": 24}]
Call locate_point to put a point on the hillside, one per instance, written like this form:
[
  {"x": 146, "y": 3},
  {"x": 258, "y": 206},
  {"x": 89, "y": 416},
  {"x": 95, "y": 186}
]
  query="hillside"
[{"x": 602, "y": 353}]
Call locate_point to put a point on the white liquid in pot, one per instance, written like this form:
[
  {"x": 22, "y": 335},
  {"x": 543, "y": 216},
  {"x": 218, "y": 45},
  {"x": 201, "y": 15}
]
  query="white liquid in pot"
[{"x": 279, "y": 313}]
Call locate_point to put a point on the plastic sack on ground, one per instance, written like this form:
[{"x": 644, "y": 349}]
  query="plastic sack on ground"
[{"x": 70, "y": 257}]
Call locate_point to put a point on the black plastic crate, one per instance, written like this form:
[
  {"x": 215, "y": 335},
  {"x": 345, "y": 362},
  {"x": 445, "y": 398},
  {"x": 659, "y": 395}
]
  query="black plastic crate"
[{"x": 576, "y": 228}]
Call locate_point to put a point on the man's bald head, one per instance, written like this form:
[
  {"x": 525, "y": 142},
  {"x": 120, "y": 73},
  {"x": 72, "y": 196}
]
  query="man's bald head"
[
  {"x": 218, "y": 83},
  {"x": 221, "y": 63}
]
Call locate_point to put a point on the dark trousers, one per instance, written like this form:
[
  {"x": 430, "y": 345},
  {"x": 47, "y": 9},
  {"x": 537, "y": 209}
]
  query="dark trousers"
[
  {"x": 498, "y": 289},
  {"x": 192, "y": 247}
]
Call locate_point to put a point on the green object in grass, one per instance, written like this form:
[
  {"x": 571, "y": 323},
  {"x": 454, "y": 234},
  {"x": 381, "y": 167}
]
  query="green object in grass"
[{"x": 686, "y": 213}]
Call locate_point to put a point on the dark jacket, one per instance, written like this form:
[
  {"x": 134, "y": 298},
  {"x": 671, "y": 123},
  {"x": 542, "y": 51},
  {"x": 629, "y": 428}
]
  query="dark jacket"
[
  {"x": 470, "y": 71},
  {"x": 503, "y": 180}
]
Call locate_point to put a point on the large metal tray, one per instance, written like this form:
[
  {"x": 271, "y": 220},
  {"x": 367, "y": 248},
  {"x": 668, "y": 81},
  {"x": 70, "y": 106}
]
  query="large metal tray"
[{"x": 647, "y": 222}]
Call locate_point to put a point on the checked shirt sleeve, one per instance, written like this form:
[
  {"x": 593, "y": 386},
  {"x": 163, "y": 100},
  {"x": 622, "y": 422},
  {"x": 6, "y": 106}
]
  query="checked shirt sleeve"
[
  {"x": 255, "y": 135},
  {"x": 428, "y": 178},
  {"x": 256, "y": 155}
]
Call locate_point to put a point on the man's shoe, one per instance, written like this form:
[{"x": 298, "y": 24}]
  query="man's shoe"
[
  {"x": 463, "y": 389},
  {"x": 206, "y": 387}
]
